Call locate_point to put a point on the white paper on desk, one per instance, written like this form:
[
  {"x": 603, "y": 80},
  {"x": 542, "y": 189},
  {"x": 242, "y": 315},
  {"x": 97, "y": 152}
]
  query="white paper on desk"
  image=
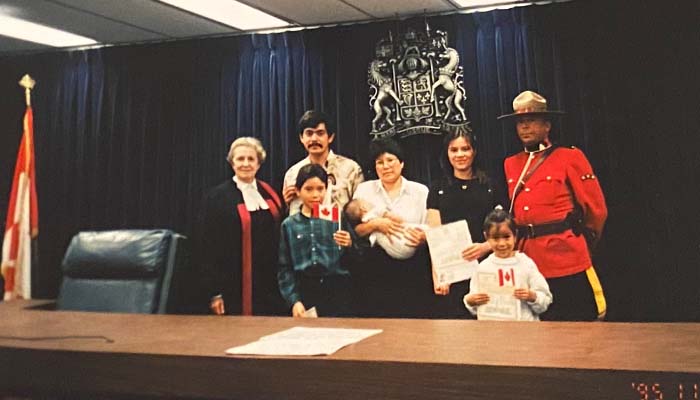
[
  {"x": 446, "y": 243},
  {"x": 502, "y": 305},
  {"x": 303, "y": 341}
]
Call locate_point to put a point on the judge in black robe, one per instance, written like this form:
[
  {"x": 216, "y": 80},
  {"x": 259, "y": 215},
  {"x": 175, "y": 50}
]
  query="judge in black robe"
[{"x": 238, "y": 246}]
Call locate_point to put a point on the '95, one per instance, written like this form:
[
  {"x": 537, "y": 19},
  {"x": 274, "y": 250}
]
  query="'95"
[{"x": 656, "y": 391}]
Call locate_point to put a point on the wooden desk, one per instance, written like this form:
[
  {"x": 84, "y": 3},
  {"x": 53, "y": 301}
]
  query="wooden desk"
[{"x": 183, "y": 356}]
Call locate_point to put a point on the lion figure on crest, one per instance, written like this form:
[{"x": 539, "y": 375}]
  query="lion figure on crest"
[{"x": 384, "y": 94}]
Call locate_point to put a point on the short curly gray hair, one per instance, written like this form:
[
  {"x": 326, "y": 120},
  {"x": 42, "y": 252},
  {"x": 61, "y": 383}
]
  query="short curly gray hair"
[{"x": 247, "y": 141}]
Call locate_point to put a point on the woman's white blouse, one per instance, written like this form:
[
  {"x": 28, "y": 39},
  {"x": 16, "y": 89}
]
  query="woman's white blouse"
[{"x": 410, "y": 204}]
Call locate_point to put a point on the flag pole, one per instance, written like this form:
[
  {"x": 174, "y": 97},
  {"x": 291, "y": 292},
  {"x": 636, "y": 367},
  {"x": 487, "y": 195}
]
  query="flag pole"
[
  {"x": 28, "y": 84},
  {"x": 340, "y": 213}
]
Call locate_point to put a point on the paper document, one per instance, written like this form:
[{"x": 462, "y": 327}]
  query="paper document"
[
  {"x": 310, "y": 313},
  {"x": 302, "y": 341},
  {"x": 502, "y": 303},
  {"x": 446, "y": 243}
]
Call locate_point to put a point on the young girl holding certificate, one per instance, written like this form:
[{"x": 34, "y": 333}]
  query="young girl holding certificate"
[{"x": 507, "y": 284}]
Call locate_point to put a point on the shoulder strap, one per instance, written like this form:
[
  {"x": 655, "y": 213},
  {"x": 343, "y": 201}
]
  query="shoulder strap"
[
  {"x": 539, "y": 162},
  {"x": 528, "y": 174}
]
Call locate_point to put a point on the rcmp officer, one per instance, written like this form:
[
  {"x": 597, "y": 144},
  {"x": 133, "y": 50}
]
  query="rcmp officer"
[{"x": 557, "y": 204}]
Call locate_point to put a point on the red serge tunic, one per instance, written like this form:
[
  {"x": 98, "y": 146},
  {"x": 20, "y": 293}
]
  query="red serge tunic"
[{"x": 563, "y": 178}]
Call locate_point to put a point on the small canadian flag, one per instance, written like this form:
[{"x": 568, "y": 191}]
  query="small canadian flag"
[
  {"x": 326, "y": 211},
  {"x": 506, "y": 277}
]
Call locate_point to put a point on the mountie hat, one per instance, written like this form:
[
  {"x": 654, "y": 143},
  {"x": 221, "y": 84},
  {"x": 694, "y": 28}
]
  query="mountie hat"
[{"x": 530, "y": 103}]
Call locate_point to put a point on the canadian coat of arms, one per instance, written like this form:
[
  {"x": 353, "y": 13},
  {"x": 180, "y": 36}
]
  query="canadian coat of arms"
[{"x": 416, "y": 86}]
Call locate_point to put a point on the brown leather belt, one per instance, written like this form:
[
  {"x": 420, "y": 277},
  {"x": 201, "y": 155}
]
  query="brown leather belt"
[{"x": 532, "y": 231}]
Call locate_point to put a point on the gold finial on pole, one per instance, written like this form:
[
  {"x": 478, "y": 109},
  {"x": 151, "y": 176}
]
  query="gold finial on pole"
[{"x": 28, "y": 84}]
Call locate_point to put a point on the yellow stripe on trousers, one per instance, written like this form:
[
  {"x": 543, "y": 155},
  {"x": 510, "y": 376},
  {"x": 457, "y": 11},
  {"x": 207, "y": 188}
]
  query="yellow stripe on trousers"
[{"x": 597, "y": 292}]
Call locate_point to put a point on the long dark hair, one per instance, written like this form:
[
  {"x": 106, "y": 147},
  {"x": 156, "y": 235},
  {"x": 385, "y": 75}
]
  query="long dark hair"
[{"x": 478, "y": 173}]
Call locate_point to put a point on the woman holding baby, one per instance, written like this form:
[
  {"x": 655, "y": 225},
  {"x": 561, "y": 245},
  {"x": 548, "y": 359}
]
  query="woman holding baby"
[{"x": 394, "y": 210}]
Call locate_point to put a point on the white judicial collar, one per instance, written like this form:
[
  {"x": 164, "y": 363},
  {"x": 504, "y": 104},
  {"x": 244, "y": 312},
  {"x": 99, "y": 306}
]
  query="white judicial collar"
[{"x": 251, "y": 197}]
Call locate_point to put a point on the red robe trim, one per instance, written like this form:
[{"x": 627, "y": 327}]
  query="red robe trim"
[{"x": 247, "y": 246}]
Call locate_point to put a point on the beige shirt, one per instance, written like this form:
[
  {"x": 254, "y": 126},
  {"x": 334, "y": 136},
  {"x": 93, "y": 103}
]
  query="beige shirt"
[{"x": 347, "y": 174}]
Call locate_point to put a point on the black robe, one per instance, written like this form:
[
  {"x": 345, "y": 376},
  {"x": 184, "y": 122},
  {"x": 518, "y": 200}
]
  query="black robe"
[{"x": 220, "y": 251}]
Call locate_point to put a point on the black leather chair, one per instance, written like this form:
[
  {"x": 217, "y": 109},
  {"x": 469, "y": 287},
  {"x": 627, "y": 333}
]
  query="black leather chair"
[{"x": 130, "y": 271}]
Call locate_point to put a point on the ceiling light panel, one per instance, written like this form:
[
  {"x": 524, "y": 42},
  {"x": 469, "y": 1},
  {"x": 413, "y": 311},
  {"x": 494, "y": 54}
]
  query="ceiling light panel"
[
  {"x": 32, "y": 32},
  {"x": 231, "y": 13},
  {"x": 314, "y": 12}
]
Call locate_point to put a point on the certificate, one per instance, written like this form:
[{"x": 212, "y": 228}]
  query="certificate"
[
  {"x": 446, "y": 243},
  {"x": 502, "y": 303},
  {"x": 304, "y": 341}
]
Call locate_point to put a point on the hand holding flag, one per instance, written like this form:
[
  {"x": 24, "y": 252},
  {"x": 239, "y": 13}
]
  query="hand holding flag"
[{"x": 332, "y": 213}]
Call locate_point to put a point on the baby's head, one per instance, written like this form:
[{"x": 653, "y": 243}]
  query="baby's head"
[{"x": 356, "y": 209}]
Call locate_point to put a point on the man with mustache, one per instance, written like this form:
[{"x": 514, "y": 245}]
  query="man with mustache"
[{"x": 316, "y": 133}]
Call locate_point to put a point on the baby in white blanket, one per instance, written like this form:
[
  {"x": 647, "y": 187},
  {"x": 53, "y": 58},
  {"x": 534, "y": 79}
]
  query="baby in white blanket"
[{"x": 358, "y": 211}]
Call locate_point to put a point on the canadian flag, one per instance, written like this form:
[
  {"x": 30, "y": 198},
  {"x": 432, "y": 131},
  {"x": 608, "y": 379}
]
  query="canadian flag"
[
  {"x": 328, "y": 212},
  {"x": 22, "y": 223},
  {"x": 506, "y": 278}
]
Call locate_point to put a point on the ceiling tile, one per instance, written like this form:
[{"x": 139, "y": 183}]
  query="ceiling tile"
[
  {"x": 128, "y": 21},
  {"x": 58, "y": 16},
  {"x": 390, "y": 8},
  {"x": 152, "y": 15},
  {"x": 8, "y": 44},
  {"x": 310, "y": 12}
]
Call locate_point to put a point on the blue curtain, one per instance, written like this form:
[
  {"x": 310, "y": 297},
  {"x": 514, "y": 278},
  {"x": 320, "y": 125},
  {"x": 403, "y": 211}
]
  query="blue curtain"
[{"x": 132, "y": 136}]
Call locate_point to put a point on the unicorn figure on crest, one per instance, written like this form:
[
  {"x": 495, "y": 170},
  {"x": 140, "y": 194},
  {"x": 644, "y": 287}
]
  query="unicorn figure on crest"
[{"x": 446, "y": 81}]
